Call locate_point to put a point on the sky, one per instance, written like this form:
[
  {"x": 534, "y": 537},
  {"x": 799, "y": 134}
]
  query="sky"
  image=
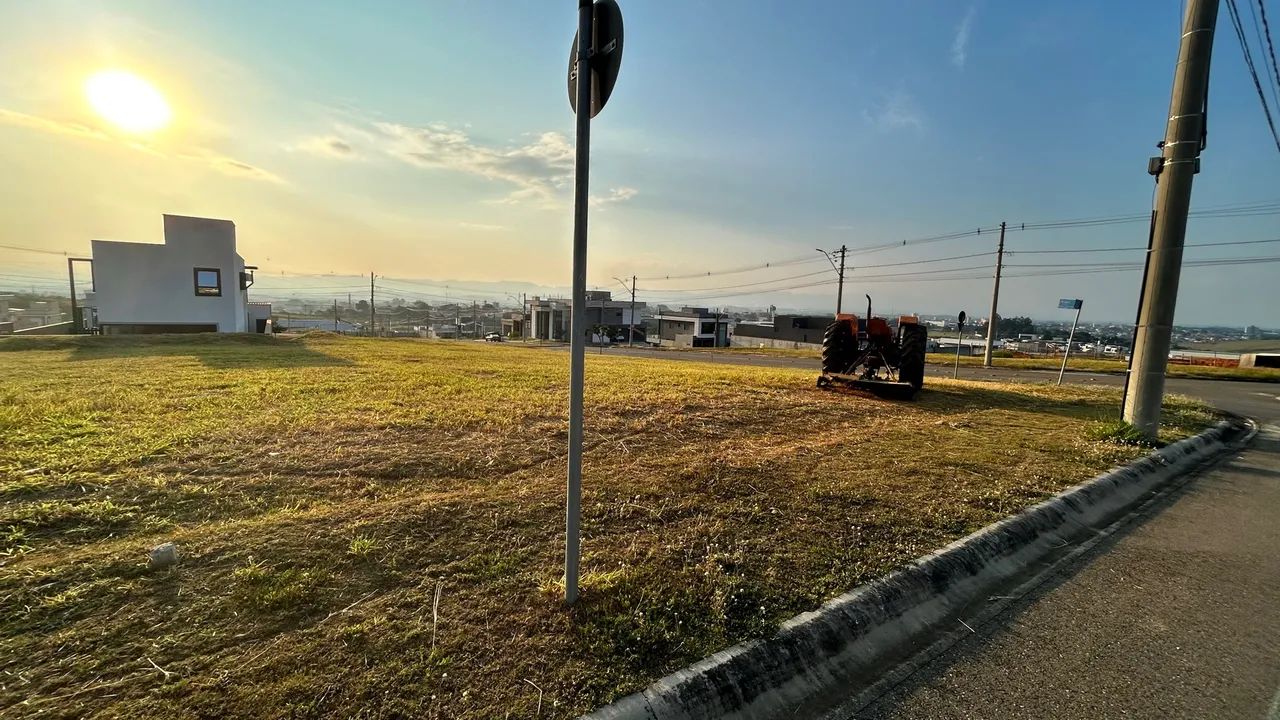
[{"x": 431, "y": 142}]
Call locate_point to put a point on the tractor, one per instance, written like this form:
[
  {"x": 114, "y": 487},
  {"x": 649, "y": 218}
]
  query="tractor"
[{"x": 867, "y": 354}]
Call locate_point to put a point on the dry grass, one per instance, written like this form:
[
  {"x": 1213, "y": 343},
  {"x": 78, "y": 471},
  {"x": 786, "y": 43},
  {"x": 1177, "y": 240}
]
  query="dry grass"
[{"x": 373, "y": 527}]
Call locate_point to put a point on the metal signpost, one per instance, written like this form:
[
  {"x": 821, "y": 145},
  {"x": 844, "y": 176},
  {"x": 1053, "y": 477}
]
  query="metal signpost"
[
  {"x": 597, "y": 47},
  {"x": 959, "y": 341},
  {"x": 1069, "y": 304}
]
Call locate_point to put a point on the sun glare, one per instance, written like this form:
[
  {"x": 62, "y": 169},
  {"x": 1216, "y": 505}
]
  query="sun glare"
[{"x": 127, "y": 101}]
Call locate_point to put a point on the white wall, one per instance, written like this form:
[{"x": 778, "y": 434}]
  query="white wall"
[{"x": 146, "y": 283}]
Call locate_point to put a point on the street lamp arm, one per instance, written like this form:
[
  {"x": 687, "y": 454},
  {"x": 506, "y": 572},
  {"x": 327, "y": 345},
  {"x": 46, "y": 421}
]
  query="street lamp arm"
[{"x": 830, "y": 259}]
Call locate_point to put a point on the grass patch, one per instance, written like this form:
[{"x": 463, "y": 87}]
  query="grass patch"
[
  {"x": 1102, "y": 365},
  {"x": 1119, "y": 431},
  {"x": 374, "y": 526}
]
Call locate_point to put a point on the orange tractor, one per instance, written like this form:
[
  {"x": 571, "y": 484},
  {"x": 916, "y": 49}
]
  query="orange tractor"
[{"x": 869, "y": 355}]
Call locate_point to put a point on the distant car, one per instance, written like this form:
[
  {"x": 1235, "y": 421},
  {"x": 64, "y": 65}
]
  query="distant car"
[{"x": 493, "y": 337}]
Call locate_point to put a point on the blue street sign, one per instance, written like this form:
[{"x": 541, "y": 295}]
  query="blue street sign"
[{"x": 1070, "y": 304}]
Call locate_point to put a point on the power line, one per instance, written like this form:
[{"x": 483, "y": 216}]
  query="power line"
[
  {"x": 1253, "y": 70},
  {"x": 1272, "y": 83},
  {"x": 1271, "y": 48},
  {"x": 1140, "y": 247}
]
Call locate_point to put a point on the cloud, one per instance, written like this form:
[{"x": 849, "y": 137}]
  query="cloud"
[
  {"x": 960, "y": 45},
  {"x": 898, "y": 111},
  {"x": 537, "y": 169},
  {"x": 327, "y": 146},
  {"x": 481, "y": 226},
  {"x": 212, "y": 160},
  {"x": 615, "y": 195}
]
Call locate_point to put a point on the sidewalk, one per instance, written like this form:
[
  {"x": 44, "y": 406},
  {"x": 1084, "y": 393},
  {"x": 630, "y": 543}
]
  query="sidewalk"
[{"x": 1178, "y": 618}]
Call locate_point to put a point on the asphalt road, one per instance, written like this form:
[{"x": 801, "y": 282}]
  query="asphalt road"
[
  {"x": 1260, "y": 401},
  {"x": 1176, "y": 617}
]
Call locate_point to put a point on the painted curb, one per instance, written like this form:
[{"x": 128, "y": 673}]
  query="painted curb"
[{"x": 816, "y": 655}]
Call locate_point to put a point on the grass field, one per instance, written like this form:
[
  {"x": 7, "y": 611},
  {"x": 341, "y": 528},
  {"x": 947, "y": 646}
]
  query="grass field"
[
  {"x": 1206, "y": 372},
  {"x": 372, "y": 528}
]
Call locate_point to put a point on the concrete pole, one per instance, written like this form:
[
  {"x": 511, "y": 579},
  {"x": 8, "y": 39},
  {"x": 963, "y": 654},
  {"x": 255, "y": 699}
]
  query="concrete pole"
[
  {"x": 578, "y": 324},
  {"x": 373, "y": 327},
  {"x": 335, "y": 314},
  {"x": 71, "y": 277},
  {"x": 993, "y": 325},
  {"x": 840, "y": 288},
  {"x": 631, "y": 331},
  {"x": 1067, "y": 353},
  {"x": 1184, "y": 139}
]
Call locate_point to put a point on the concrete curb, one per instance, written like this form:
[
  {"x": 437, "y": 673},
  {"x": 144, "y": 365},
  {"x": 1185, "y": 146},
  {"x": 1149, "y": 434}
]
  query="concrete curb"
[{"x": 856, "y": 636}]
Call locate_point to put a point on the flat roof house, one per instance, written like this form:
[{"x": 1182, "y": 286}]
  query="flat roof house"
[
  {"x": 786, "y": 331},
  {"x": 692, "y": 327},
  {"x": 194, "y": 282},
  {"x": 549, "y": 319}
]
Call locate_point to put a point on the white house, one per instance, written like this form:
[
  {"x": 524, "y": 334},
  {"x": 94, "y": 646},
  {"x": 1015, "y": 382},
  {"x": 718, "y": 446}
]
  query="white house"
[{"x": 194, "y": 282}]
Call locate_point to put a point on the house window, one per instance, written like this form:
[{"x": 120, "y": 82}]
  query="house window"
[
  {"x": 208, "y": 282},
  {"x": 708, "y": 328}
]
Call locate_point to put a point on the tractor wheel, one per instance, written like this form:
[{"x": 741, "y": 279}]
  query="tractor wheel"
[
  {"x": 911, "y": 354},
  {"x": 838, "y": 347}
]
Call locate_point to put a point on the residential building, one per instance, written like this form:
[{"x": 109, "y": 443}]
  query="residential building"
[
  {"x": 786, "y": 331},
  {"x": 37, "y": 313},
  {"x": 512, "y": 324},
  {"x": 549, "y": 319},
  {"x": 691, "y": 327},
  {"x": 194, "y": 282}
]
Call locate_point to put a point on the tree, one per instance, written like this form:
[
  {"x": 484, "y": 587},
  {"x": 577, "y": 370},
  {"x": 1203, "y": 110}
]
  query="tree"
[
  {"x": 419, "y": 305},
  {"x": 362, "y": 306},
  {"x": 1013, "y": 326}
]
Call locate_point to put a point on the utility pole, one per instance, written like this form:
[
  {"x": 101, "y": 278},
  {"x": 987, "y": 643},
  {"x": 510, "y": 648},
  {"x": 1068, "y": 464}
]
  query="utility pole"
[
  {"x": 1174, "y": 170},
  {"x": 631, "y": 331},
  {"x": 840, "y": 288},
  {"x": 1067, "y": 353},
  {"x": 335, "y": 314},
  {"x": 993, "y": 325},
  {"x": 475, "y": 321},
  {"x": 839, "y": 274},
  {"x": 373, "y": 327},
  {"x": 76, "y": 325}
]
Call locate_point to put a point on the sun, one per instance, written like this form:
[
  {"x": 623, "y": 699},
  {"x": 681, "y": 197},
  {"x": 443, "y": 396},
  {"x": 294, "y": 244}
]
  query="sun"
[{"x": 127, "y": 101}]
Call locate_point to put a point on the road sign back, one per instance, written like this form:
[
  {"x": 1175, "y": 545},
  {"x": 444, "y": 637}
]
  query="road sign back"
[{"x": 607, "y": 59}]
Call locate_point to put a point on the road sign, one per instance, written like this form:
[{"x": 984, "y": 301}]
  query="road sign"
[
  {"x": 606, "y": 59},
  {"x": 962, "y": 317},
  {"x": 1070, "y": 304}
]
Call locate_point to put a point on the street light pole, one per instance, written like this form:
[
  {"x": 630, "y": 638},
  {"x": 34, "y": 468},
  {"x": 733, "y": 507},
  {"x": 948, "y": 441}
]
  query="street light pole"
[{"x": 839, "y": 273}]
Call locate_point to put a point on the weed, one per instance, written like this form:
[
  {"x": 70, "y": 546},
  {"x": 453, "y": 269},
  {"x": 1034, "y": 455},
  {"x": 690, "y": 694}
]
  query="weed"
[
  {"x": 362, "y": 546},
  {"x": 266, "y": 589},
  {"x": 1120, "y": 432}
]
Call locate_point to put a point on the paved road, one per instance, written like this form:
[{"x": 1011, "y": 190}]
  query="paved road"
[
  {"x": 1177, "y": 618},
  {"x": 1255, "y": 400}
]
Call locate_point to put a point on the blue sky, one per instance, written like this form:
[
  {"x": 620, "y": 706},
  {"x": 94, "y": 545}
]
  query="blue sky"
[{"x": 433, "y": 139}]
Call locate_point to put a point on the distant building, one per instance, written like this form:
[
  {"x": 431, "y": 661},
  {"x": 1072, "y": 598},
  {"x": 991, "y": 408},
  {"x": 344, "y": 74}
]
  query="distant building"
[
  {"x": 550, "y": 319},
  {"x": 37, "y": 313},
  {"x": 194, "y": 282},
  {"x": 794, "y": 331},
  {"x": 692, "y": 327},
  {"x": 512, "y": 323}
]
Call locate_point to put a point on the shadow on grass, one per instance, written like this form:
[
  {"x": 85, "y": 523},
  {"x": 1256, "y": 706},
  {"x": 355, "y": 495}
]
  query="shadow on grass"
[{"x": 221, "y": 351}]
